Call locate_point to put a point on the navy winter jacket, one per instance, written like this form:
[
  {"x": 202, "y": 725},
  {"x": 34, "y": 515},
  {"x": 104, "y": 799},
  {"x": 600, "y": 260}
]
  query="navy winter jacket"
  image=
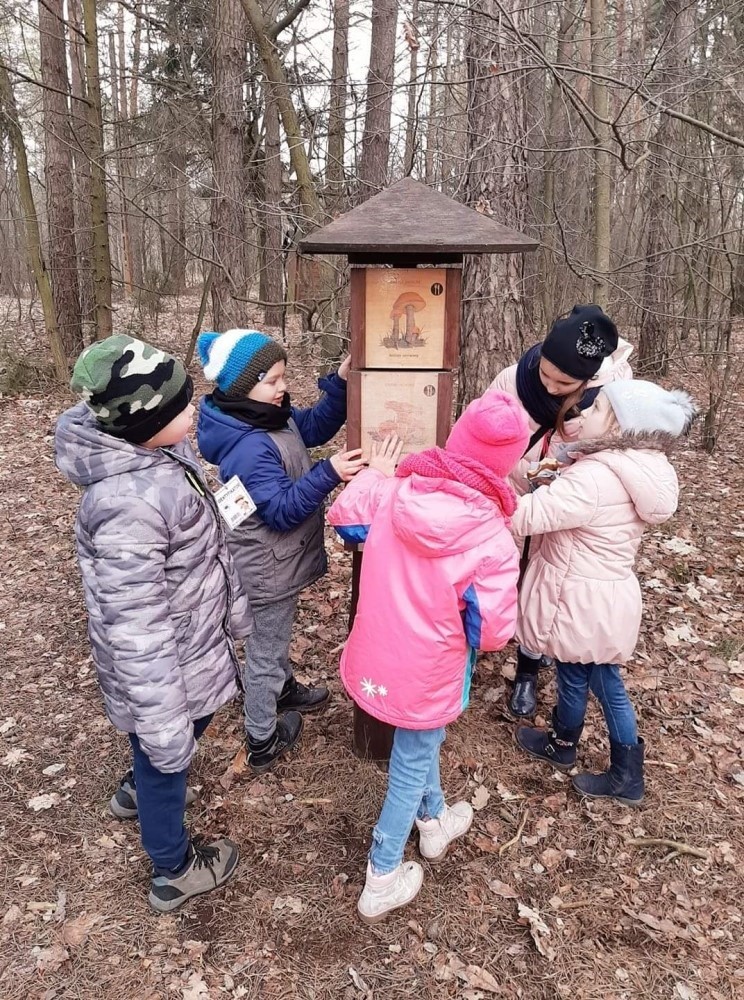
[{"x": 279, "y": 550}]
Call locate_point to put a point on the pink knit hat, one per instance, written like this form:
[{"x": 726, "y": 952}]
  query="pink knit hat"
[{"x": 493, "y": 430}]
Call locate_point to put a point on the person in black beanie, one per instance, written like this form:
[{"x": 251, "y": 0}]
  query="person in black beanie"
[{"x": 554, "y": 381}]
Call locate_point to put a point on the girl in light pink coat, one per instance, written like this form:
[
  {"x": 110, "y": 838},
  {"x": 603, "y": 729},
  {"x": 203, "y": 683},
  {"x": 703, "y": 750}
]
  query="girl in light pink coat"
[
  {"x": 580, "y": 600},
  {"x": 555, "y": 381},
  {"x": 438, "y": 582}
]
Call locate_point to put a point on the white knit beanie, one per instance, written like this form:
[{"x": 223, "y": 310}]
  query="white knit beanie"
[{"x": 644, "y": 407}]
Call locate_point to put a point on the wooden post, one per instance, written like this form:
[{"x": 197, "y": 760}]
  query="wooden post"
[
  {"x": 373, "y": 740},
  {"x": 402, "y": 383}
]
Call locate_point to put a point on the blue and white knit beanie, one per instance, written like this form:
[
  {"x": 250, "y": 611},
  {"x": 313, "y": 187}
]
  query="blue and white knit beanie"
[{"x": 238, "y": 359}]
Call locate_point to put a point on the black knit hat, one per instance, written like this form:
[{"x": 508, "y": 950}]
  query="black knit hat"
[{"x": 579, "y": 343}]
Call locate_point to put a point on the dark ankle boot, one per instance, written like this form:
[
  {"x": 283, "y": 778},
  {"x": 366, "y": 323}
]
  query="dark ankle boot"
[
  {"x": 263, "y": 754},
  {"x": 556, "y": 745},
  {"x": 298, "y": 697},
  {"x": 624, "y": 780},
  {"x": 523, "y": 701}
]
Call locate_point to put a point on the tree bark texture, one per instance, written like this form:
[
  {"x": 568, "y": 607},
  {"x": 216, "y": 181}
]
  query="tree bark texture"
[
  {"x": 335, "y": 174},
  {"x": 373, "y": 163},
  {"x": 602, "y": 176},
  {"x": 80, "y": 128},
  {"x": 101, "y": 260},
  {"x": 493, "y": 293},
  {"x": 62, "y": 252},
  {"x": 228, "y": 204},
  {"x": 31, "y": 222},
  {"x": 272, "y": 214}
]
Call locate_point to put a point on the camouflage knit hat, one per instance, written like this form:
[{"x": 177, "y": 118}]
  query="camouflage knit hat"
[
  {"x": 238, "y": 359},
  {"x": 132, "y": 389}
]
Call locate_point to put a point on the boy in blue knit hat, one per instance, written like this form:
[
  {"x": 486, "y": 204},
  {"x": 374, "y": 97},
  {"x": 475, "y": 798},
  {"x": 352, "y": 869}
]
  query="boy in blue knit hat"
[{"x": 248, "y": 428}]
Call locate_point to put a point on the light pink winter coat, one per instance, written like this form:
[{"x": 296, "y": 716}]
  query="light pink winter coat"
[
  {"x": 616, "y": 366},
  {"x": 580, "y": 601},
  {"x": 439, "y": 580}
]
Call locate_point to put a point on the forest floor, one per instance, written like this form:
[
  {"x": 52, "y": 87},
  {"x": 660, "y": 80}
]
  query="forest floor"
[{"x": 547, "y": 897}]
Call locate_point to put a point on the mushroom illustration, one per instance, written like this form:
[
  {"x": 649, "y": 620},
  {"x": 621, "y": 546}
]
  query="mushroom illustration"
[{"x": 408, "y": 303}]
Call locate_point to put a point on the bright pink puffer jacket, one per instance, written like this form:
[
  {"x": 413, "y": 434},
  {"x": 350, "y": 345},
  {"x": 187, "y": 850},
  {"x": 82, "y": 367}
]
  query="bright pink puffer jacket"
[{"x": 439, "y": 580}]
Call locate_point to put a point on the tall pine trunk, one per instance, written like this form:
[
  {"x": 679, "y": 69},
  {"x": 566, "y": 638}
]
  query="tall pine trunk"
[
  {"x": 493, "y": 293},
  {"x": 101, "y": 259},
  {"x": 228, "y": 207},
  {"x": 62, "y": 253},
  {"x": 373, "y": 164}
]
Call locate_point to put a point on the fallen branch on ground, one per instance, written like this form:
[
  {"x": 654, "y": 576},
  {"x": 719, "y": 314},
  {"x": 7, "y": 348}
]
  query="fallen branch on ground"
[
  {"x": 675, "y": 845},
  {"x": 518, "y": 834}
]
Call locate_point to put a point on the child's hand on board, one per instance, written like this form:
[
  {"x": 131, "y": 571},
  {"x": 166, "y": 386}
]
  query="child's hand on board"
[
  {"x": 347, "y": 463},
  {"x": 386, "y": 456},
  {"x": 345, "y": 367}
]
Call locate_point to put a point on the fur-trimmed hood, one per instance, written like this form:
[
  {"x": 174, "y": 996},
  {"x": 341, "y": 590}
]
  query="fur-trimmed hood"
[
  {"x": 640, "y": 462},
  {"x": 627, "y": 441}
]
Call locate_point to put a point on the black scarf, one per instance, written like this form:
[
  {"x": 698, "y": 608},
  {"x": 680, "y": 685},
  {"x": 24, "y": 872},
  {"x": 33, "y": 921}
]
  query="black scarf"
[
  {"x": 534, "y": 397},
  {"x": 264, "y": 416}
]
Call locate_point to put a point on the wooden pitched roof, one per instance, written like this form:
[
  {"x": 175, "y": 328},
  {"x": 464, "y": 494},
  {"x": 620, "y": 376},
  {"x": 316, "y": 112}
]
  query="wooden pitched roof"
[{"x": 411, "y": 218}]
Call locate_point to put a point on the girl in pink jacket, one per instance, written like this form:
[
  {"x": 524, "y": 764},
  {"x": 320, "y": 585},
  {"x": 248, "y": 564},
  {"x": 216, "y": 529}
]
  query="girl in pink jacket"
[
  {"x": 555, "y": 381},
  {"x": 580, "y": 600},
  {"x": 438, "y": 582}
]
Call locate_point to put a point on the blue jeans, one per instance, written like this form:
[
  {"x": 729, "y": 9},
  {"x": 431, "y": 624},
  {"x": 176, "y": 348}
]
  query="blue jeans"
[
  {"x": 161, "y": 802},
  {"x": 576, "y": 680},
  {"x": 414, "y": 790}
]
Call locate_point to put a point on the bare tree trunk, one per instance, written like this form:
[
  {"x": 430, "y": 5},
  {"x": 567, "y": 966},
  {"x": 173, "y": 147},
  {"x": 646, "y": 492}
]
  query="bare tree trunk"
[
  {"x": 373, "y": 164},
  {"x": 602, "y": 178},
  {"x": 432, "y": 143},
  {"x": 80, "y": 128},
  {"x": 98, "y": 201},
  {"x": 413, "y": 91},
  {"x": 228, "y": 207},
  {"x": 493, "y": 293},
  {"x": 335, "y": 174},
  {"x": 272, "y": 228},
  {"x": 58, "y": 177},
  {"x": 274, "y": 71},
  {"x": 657, "y": 299},
  {"x": 554, "y": 133},
  {"x": 33, "y": 235}
]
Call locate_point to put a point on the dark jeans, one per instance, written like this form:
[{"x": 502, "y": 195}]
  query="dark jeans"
[
  {"x": 161, "y": 802},
  {"x": 576, "y": 680}
]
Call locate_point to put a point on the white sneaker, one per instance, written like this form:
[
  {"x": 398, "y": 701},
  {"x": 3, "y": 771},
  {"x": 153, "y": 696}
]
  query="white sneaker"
[
  {"x": 435, "y": 835},
  {"x": 384, "y": 893}
]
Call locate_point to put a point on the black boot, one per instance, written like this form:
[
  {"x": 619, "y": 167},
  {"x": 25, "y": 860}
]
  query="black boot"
[
  {"x": 263, "y": 754},
  {"x": 296, "y": 697},
  {"x": 523, "y": 701},
  {"x": 624, "y": 780},
  {"x": 556, "y": 745}
]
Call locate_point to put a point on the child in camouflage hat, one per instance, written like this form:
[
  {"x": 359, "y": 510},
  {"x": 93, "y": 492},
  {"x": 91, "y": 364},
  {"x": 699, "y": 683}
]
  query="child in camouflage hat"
[
  {"x": 164, "y": 603},
  {"x": 249, "y": 428}
]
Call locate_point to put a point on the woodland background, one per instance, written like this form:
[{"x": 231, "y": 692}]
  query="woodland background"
[
  {"x": 165, "y": 151},
  {"x": 158, "y": 163}
]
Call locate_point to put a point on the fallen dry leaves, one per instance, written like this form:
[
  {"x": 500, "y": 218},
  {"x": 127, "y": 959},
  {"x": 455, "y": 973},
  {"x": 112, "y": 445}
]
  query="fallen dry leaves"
[{"x": 592, "y": 899}]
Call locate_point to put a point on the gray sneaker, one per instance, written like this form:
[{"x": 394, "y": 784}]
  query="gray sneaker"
[
  {"x": 209, "y": 866},
  {"x": 123, "y": 804}
]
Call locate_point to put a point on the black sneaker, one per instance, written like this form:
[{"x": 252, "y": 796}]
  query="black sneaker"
[
  {"x": 296, "y": 697},
  {"x": 263, "y": 754},
  {"x": 123, "y": 804},
  {"x": 209, "y": 866}
]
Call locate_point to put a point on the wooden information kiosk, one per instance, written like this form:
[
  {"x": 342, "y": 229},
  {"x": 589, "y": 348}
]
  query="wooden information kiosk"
[{"x": 405, "y": 246}]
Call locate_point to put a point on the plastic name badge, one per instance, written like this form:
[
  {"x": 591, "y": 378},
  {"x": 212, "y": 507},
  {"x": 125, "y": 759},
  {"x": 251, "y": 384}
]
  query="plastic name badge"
[{"x": 234, "y": 502}]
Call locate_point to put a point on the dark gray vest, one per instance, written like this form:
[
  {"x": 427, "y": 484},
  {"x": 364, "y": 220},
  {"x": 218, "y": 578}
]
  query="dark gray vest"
[{"x": 276, "y": 564}]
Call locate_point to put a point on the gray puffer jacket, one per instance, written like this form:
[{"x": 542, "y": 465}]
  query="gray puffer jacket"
[{"x": 164, "y": 602}]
